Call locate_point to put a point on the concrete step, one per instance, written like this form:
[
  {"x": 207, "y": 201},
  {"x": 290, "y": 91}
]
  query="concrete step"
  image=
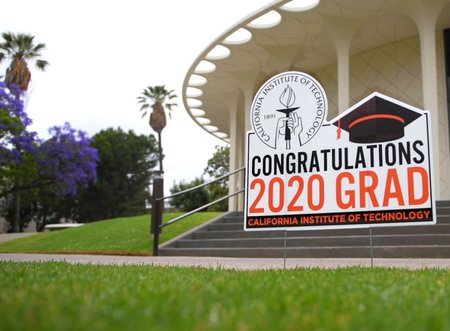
[
  {"x": 440, "y": 239},
  {"x": 443, "y": 219},
  {"x": 226, "y": 237},
  {"x": 221, "y": 232},
  {"x": 226, "y": 226},
  {"x": 443, "y": 203}
]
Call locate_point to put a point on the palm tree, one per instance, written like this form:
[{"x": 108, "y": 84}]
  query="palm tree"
[
  {"x": 157, "y": 97},
  {"x": 19, "y": 48}
]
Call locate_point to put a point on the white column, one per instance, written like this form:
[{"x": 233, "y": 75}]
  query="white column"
[
  {"x": 426, "y": 16},
  {"x": 243, "y": 101},
  {"x": 237, "y": 111},
  {"x": 248, "y": 99},
  {"x": 430, "y": 96},
  {"x": 343, "y": 32},
  {"x": 234, "y": 154}
]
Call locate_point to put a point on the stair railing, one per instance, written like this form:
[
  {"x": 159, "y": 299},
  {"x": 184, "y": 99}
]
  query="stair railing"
[{"x": 158, "y": 204}]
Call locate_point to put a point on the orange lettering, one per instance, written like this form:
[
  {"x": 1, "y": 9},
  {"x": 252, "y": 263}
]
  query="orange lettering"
[
  {"x": 412, "y": 199},
  {"x": 349, "y": 193},
  {"x": 292, "y": 205},
  {"x": 393, "y": 189},
  {"x": 368, "y": 188},
  {"x": 253, "y": 208},
  {"x": 321, "y": 194},
  {"x": 272, "y": 207}
]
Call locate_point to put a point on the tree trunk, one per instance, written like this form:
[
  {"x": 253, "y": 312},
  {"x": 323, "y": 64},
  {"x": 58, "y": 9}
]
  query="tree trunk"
[
  {"x": 161, "y": 155},
  {"x": 158, "y": 119},
  {"x": 18, "y": 74},
  {"x": 16, "y": 214}
]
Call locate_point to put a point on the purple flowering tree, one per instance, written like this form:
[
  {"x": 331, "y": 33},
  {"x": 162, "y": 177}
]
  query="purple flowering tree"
[
  {"x": 14, "y": 124},
  {"x": 16, "y": 146},
  {"x": 67, "y": 160},
  {"x": 62, "y": 163}
]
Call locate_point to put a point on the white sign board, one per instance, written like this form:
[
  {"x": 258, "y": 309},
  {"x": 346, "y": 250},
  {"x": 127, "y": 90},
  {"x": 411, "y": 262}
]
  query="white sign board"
[{"x": 370, "y": 166}]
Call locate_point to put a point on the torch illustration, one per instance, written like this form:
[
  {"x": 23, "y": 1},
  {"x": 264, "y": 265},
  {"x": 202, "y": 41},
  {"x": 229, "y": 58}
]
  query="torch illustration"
[{"x": 287, "y": 99}]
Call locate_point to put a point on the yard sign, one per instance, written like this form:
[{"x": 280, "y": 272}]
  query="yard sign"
[{"x": 370, "y": 166}]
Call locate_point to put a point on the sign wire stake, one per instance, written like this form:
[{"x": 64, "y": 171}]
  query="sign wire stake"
[
  {"x": 285, "y": 249},
  {"x": 371, "y": 247}
]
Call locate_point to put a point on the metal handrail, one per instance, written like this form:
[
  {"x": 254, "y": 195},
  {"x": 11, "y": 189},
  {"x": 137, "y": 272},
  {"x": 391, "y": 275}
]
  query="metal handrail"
[
  {"x": 158, "y": 202},
  {"x": 176, "y": 219},
  {"x": 201, "y": 185}
]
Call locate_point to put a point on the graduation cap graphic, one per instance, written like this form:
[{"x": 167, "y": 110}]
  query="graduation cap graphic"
[{"x": 376, "y": 119}]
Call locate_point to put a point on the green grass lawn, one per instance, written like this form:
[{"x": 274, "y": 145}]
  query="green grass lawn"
[
  {"x": 129, "y": 236},
  {"x": 59, "y": 296}
]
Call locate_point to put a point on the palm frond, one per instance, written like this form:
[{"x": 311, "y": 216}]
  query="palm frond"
[
  {"x": 41, "y": 64},
  {"x": 38, "y": 48},
  {"x": 145, "y": 106},
  {"x": 170, "y": 105},
  {"x": 7, "y": 36},
  {"x": 20, "y": 46}
]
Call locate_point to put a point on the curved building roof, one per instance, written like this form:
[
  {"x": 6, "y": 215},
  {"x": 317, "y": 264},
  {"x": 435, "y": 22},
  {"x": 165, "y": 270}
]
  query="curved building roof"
[{"x": 302, "y": 35}]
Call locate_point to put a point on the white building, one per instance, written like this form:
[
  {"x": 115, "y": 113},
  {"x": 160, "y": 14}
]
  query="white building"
[{"x": 400, "y": 48}]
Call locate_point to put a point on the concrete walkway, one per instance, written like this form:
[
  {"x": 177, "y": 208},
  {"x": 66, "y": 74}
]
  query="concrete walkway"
[
  {"x": 229, "y": 263},
  {"x": 11, "y": 236}
]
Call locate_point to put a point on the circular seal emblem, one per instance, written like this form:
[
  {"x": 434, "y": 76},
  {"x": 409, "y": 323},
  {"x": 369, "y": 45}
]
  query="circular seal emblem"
[{"x": 288, "y": 110}]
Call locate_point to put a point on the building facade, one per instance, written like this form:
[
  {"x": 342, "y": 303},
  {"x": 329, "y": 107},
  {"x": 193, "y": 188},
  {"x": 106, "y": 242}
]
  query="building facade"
[{"x": 400, "y": 48}]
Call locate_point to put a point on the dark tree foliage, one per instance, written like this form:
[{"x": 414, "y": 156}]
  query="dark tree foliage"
[
  {"x": 44, "y": 208},
  {"x": 124, "y": 171},
  {"x": 219, "y": 165},
  {"x": 190, "y": 200}
]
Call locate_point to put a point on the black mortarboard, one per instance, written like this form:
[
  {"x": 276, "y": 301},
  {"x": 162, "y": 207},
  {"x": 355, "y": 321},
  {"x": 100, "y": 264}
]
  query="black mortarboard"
[{"x": 376, "y": 120}]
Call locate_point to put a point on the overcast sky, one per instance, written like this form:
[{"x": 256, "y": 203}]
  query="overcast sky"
[{"x": 102, "y": 54}]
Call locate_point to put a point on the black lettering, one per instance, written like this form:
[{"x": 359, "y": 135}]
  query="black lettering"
[
  {"x": 301, "y": 162},
  {"x": 256, "y": 171},
  {"x": 421, "y": 156},
  {"x": 371, "y": 149},
  {"x": 380, "y": 156},
  {"x": 346, "y": 159},
  {"x": 336, "y": 160},
  {"x": 404, "y": 153},
  {"x": 325, "y": 158},
  {"x": 360, "y": 159},
  {"x": 279, "y": 164},
  {"x": 314, "y": 164},
  {"x": 267, "y": 165},
  {"x": 290, "y": 163},
  {"x": 390, "y": 155}
]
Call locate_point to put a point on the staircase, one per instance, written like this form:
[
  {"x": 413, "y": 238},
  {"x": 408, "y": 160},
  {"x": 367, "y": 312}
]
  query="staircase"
[{"x": 225, "y": 237}]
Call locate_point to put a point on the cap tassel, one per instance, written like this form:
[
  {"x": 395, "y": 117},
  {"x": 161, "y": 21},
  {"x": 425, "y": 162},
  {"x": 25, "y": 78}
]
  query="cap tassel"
[{"x": 339, "y": 130}]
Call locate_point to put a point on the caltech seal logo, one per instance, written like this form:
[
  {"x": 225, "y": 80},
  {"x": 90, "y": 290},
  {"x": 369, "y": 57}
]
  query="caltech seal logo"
[{"x": 289, "y": 110}]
